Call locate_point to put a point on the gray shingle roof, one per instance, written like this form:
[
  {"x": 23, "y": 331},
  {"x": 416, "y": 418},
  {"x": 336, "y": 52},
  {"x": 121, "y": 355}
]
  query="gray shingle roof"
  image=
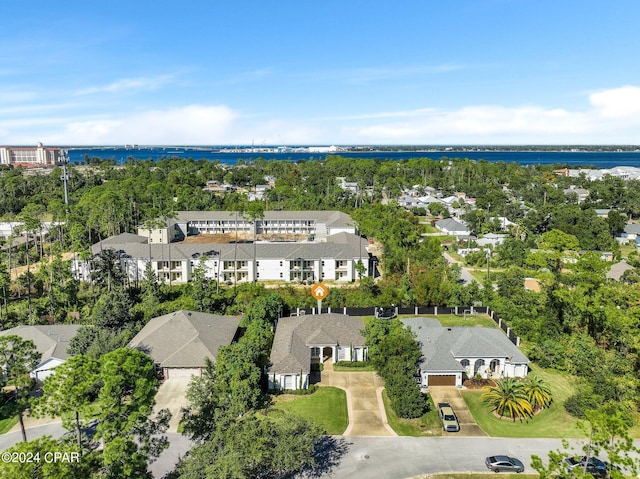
[
  {"x": 295, "y": 335},
  {"x": 337, "y": 246},
  {"x": 183, "y": 339},
  {"x": 450, "y": 224},
  {"x": 52, "y": 341},
  {"x": 441, "y": 347}
]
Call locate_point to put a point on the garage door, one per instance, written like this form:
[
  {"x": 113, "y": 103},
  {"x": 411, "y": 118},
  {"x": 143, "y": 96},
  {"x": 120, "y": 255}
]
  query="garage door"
[
  {"x": 181, "y": 372},
  {"x": 446, "y": 380}
]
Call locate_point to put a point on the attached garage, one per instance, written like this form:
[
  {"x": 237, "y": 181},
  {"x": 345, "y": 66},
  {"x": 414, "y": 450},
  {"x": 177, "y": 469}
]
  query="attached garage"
[
  {"x": 441, "y": 380},
  {"x": 181, "y": 373}
]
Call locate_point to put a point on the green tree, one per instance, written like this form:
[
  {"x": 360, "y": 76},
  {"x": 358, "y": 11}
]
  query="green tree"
[
  {"x": 538, "y": 392},
  {"x": 250, "y": 447},
  {"x": 130, "y": 435},
  {"x": 508, "y": 398},
  {"x": 70, "y": 389},
  {"x": 17, "y": 357},
  {"x": 606, "y": 431}
]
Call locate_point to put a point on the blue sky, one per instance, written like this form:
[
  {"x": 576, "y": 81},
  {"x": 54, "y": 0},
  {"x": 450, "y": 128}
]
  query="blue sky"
[{"x": 330, "y": 72}]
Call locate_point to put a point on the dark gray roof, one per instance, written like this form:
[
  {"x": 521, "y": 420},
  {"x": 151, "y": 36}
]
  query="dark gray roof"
[
  {"x": 442, "y": 347},
  {"x": 51, "y": 341},
  {"x": 295, "y": 335},
  {"x": 183, "y": 339},
  {"x": 338, "y": 246}
]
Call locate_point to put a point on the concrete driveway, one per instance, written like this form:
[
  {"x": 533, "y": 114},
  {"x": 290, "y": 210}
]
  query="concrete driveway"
[
  {"x": 364, "y": 401},
  {"x": 171, "y": 395},
  {"x": 451, "y": 394}
]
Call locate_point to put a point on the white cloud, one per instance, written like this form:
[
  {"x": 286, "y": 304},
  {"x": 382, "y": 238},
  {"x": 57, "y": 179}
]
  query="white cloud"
[
  {"x": 618, "y": 102},
  {"x": 191, "y": 124},
  {"x": 609, "y": 117},
  {"x": 126, "y": 84}
]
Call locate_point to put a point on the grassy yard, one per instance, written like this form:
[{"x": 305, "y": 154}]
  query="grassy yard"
[
  {"x": 327, "y": 407},
  {"x": 427, "y": 425},
  {"x": 8, "y": 415},
  {"x": 551, "y": 422}
]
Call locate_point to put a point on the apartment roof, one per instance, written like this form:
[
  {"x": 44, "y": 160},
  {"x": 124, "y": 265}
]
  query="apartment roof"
[{"x": 337, "y": 246}]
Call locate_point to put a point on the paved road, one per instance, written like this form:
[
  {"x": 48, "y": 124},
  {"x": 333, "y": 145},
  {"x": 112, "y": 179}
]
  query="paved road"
[
  {"x": 465, "y": 275},
  {"x": 405, "y": 457}
]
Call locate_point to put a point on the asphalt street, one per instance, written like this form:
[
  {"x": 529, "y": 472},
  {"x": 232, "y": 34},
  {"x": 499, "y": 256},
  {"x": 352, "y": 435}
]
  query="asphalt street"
[
  {"x": 465, "y": 276},
  {"x": 370, "y": 457},
  {"x": 405, "y": 457}
]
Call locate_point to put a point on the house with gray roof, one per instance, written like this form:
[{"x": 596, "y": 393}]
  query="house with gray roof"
[
  {"x": 302, "y": 340},
  {"x": 51, "y": 341},
  {"x": 618, "y": 269},
  {"x": 179, "y": 342},
  {"x": 452, "y": 354},
  {"x": 453, "y": 227}
]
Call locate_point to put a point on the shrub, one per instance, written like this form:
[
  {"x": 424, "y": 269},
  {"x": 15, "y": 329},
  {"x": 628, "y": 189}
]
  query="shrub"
[
  {"x": 304, "y": 392},
  {"x": 353, "y": 364},
  {"x": 317, "y": 366}
]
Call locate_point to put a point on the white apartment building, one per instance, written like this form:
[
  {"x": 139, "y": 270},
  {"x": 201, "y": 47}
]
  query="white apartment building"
[
  {"x": 334, "y": 259},
  {"x": 38, "y": 156},
  {"x": 319, "y": 224}
]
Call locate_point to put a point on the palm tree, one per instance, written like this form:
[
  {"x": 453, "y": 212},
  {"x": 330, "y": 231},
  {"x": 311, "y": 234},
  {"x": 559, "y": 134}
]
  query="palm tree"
[
  {"x": 538, "y": 392},
  {"x": 508, "y": 398}
]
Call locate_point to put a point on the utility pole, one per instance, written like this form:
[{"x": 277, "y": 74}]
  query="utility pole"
[{"x": 65, "y": 178}]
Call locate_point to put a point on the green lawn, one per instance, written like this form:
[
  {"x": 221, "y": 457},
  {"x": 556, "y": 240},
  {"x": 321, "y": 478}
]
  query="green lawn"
[
  {"x": 551, "y": 422},
  {"x": 8, "y": 416},
  {"x": 327, "y": 407},
  {"x": 427, "y": 425}
]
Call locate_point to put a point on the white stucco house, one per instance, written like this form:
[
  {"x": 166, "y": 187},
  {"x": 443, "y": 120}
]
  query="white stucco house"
[
  {"x": 453, "y": 354},
  {"x": 51, "y": 341},
  {"x": 302, "y": 340}
]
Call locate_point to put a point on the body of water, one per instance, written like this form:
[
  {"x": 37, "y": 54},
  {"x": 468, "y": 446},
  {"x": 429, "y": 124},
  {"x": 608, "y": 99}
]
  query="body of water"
[{"x": 570, "y": 158}]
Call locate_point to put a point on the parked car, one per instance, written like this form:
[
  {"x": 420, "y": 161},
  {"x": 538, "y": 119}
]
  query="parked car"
[
  {"x": 448, "y": 417},
  {"x": 595, "y": 466},
  {"x": 504, "y": 463}
]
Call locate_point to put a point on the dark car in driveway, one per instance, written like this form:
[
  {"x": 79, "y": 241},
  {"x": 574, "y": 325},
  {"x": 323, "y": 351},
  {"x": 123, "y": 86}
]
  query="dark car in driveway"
[
  {"x": 595, "y": 466},
  {"x": 504, "y": 463}
]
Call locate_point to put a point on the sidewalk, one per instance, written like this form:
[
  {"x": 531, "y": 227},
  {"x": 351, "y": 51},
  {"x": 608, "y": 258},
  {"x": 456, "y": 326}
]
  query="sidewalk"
[{"x": 364, "y": 401}]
